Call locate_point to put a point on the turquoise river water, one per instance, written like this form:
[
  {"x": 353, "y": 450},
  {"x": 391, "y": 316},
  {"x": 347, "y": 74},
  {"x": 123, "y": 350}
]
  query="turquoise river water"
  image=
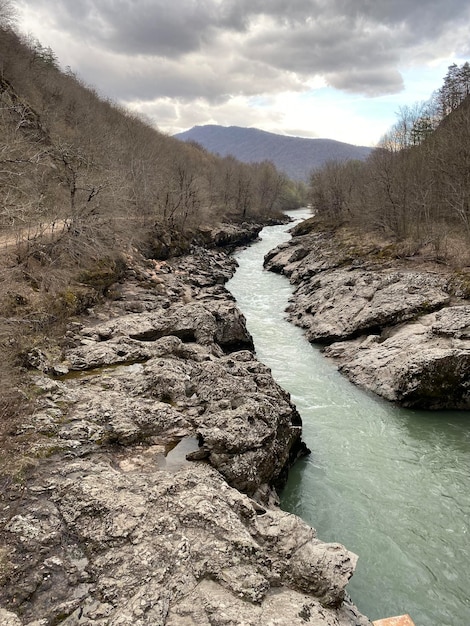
[{"x": 390, "y": 484}]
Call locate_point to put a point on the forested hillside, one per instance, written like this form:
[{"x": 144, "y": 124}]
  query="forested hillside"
[
  {"x": 72, "y": 156},
  {"x": 295, "y": 156},
  {"x": 415, "y": 187},
  {"x": 83, "y": 183}
]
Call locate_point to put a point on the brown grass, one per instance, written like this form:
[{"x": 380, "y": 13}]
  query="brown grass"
[
  {"x": 37, "y": 300},
  {"x": 444, "y": 245}
]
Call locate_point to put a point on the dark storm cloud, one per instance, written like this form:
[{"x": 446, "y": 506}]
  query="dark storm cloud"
[
  {"x": 357, "y": 45},
  {"x": 157, "y": 27},
  {"x": 219, "y": 48}
]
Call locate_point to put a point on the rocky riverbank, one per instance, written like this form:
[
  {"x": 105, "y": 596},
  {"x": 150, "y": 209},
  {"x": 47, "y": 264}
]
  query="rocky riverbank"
[
  {"x": 398, "y": 326},
  {"x": 158, "y": 441}
]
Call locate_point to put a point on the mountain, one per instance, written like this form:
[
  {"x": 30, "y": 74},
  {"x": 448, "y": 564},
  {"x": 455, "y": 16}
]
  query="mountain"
[{"x": 296, "y": 156}]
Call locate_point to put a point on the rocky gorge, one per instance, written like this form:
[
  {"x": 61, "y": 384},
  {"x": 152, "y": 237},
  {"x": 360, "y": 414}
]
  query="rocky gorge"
[
  {"x": 396, "y": 325},
  {"x": 157, "y": 443}
]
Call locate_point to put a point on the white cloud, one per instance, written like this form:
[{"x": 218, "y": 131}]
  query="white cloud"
[{"x": 252, "y": 62}]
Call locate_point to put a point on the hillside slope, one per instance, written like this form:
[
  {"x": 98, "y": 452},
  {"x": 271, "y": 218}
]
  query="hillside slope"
[
  {"x": 296, "y": 156},
  {"x": 83, "y": 182}
]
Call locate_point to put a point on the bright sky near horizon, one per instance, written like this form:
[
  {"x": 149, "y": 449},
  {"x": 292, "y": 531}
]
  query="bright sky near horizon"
[{"x": 338, "y": 69}]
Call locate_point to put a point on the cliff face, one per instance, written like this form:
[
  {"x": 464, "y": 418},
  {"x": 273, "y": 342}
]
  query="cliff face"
[
  {"x": 397, "y": 327},
  {"x": 160, "y": 439}
]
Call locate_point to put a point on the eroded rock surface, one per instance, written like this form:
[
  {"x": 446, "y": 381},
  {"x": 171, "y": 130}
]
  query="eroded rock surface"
[
  {"x": 347, "y": 302},
  {"x": 397, "y": 329},
  {"x": 422, "y": 364},
  {"x": 159, "y": 439},
  {"x": 121, "y": 541}
]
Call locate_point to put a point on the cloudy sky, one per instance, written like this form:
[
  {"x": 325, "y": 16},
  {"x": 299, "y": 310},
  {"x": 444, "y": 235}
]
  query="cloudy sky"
[{"x": 338, "y": 69}]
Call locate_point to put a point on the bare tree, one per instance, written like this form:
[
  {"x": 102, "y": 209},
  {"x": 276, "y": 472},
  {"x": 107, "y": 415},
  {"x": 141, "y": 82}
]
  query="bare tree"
[{"x": 7, "y": 14}]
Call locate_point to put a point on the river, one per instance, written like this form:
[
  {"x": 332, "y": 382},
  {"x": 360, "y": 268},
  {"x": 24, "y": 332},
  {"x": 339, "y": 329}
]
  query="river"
[{"x": 390, "y": 484}]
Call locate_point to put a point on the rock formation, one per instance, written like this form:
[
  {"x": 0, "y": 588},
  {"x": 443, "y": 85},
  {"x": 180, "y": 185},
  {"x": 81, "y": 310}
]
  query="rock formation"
[
  {"x": 159, "y": 440},
  {"x": 396, "y": 327}
]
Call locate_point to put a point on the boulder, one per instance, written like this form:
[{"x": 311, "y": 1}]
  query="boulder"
[
  {"x": 425, "y": 364},
  {"x": 122, "y": 542},
  {"x": 133, "y": 337},
  {"x": 346, "y": 303}
]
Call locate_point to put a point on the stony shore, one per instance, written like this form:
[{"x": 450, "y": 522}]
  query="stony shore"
[
  {"x": 396, "y": 326},
  {"x": 159, "y": 441}
]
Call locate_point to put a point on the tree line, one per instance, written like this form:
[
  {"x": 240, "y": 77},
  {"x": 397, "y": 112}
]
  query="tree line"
[
  {"x": 416, "y": 184},
  {"x": 98, "y": 173}
]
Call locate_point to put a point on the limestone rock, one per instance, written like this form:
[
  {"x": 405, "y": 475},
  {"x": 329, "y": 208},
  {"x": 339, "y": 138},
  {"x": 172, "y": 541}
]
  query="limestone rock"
[
  {"x": 9, "y": 619},
  {"x": 229, "y": 236},
  {"x": 146, "y": 546},
  {"x": 305, "y": 256},
  {"x": 394, "y": 330},
  {"x": 159, "y": 440},
  {"x": 345, "y": 303},
  {"x": 425, "y": 364},
  {"x": 132, "y": 337},
  {"x": 248, "y": 427}
]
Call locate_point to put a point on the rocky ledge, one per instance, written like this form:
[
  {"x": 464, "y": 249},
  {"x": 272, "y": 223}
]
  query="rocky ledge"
[
  {"x": 158, "y": 441},
  {"x": 397, "y": 327}
]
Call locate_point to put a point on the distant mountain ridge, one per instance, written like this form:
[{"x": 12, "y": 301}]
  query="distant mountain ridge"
[{"x": 296, "y": 156}]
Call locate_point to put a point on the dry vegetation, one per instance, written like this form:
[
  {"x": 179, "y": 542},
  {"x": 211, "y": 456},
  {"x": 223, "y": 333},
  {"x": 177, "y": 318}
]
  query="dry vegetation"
[
  {"x": 83, "y": 182},
  {"x": 414, "y": 189}
]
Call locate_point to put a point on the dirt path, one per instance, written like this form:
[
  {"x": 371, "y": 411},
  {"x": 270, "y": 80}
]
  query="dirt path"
[{"x": 31, "y": 233}]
